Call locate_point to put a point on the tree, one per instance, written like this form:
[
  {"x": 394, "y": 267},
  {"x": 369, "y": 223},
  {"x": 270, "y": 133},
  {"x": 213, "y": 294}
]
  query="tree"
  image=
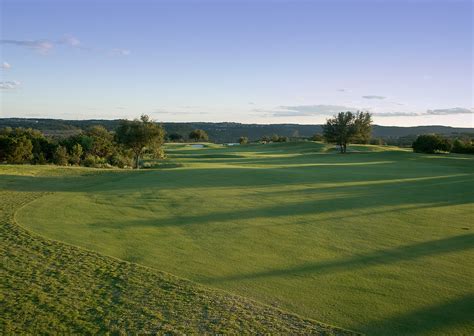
[
  {"x": 465, "y": 146},
  {"x": 346, "y": 127},
  {"x": 140, "y": 134},
  {"x": 21, "y": 151},
  {"x": 102, "y": 141},
  {"x": 431, "y": 143},
  {"x": 175, "y": 137},
  {"x": 243, "y": 140},
  {"x": 275, "y": 138},
  {"x": 198, "y": 135},
  {"x": 60, "y": 156},
  {"x": 363, "y": 127},
  {"x": 76, "y": 154}
]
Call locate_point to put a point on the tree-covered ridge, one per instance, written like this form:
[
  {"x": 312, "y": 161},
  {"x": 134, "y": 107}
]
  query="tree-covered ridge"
[{"x": 230, "y": 132}]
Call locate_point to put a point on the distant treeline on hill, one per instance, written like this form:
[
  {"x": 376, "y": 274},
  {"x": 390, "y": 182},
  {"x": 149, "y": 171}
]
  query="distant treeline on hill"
[{"x": 224, "y": 132}]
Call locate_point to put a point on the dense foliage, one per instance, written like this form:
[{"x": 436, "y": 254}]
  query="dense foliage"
[
  {"x": 431, "y": 143},
  {"x": 139, "y": 135},
  {"x": 94, "y": 147},
  {"x": 198, "y": 135},
  {"x": 434, "y": 143},
  {"x": 243, "y": 140},
  {"x": 348, "y": 127}
]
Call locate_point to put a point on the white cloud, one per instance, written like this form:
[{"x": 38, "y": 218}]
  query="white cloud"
[
  {"x": 5, "y": 65},
  {"x": 373, "y": 97},
  {"x": 9, "y": 85}
]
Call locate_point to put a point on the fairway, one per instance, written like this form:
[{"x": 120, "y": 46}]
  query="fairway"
[{"x": 379, "y": 240}]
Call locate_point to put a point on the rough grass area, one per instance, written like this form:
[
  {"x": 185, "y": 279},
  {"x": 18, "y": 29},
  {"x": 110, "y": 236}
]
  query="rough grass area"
[{"x": 53, "y": 288}]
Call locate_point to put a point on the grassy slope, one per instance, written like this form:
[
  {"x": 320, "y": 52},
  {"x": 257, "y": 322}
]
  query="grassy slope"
[
  {"x": 377, "y": 241},
  {"x": 49, "y": 287}
]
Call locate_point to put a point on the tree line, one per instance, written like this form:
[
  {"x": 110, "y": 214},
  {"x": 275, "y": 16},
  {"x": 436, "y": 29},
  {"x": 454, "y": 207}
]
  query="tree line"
[
  {"x": 435, "y": 143},
  {"x": 125, "y": 146},
  {"x": 95, "y": 147}
]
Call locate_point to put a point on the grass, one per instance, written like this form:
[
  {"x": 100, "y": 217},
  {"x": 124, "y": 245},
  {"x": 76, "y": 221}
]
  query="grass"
[
  {"x": 378, "y": 240},
  {"x": 49, "y": 287}
]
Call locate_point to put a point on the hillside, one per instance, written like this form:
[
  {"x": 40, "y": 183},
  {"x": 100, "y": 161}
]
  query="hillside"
[{"x": 225, "y": 131}]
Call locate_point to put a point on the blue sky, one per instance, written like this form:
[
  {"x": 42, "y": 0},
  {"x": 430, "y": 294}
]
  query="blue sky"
[{"x": 409, "y": 62}]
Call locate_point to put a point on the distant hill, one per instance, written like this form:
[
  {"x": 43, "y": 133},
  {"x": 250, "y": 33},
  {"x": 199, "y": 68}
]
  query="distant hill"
[{"x": 227, "y": 131}]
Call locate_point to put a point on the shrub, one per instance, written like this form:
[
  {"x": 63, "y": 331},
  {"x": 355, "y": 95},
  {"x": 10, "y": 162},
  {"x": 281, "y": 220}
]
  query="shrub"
[
  {"x": 317, "y": 137},
  {"x": 198, "y": 135},
  {"x": 431, "y": 143},
  {"x": 463, "y": 147},
  {"x": 121, "y": 160},
  {"x": 60, "y": 156},
  {"x": 76, "y": 154},
  {"x": 243, "y": 140}
]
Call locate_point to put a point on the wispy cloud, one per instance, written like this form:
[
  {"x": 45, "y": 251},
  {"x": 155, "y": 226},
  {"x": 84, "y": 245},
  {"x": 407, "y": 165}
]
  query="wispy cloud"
[
  {"x": 447, "y": 111},
  {"x": 343, "y": 90},
  {"x": 159, "y": 111},
  {"x": 41, "y": 46},
  {"x": 45, "y": 46},
  {"x": 9, "y": 85},
  {"x": 70, "y": 40},
  {"x": 120, "y": 52},
  {"x": 396, "y": 114},
  {"x": 305, "y": 110},
  {"x": 5, "y": 65},
  {"x": 373, "y": 97}
]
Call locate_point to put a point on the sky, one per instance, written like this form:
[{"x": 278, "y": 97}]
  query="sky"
[{"x": 408, "y": 62}]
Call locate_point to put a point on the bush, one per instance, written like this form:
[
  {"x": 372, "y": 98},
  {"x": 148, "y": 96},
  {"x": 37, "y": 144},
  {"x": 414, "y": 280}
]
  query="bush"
[
  {"x": 60, "y": 156},
  {"x": 198, "y": 135},
  {"x": 121, "y": 160},
  {"x": 175, "y": 137},
  {"x": 431, "y": 143},
  {"x": 243, "y": 140},
  {"x": 317, "y": 137},
  {"x": 76, "y": 154},
  {"x": 463, "y": 147}
]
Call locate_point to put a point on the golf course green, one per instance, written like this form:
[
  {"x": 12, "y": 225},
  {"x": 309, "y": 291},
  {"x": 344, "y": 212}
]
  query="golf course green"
[{"x": 379, "y": 240}]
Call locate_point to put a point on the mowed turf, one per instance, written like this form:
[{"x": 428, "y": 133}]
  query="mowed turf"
[
  {"x": 379, "y": 240},
  {"x": 53, "y": 288}
]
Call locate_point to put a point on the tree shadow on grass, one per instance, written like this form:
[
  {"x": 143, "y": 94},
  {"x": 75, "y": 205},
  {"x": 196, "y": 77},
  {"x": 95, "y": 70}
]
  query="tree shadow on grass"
[
  {"x": 456, "y": 314},
  {"x": 389, "y": 256}
]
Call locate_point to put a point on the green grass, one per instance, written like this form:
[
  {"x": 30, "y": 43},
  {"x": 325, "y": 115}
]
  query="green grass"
[
  {"x": 49, "y": 288},
  {"x": 379, "y": 240}
]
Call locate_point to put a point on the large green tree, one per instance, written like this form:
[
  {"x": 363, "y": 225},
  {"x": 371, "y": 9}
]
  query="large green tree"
[
  {"x": 139, "y": 135},
  {"x": 346, "y": 127}
]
